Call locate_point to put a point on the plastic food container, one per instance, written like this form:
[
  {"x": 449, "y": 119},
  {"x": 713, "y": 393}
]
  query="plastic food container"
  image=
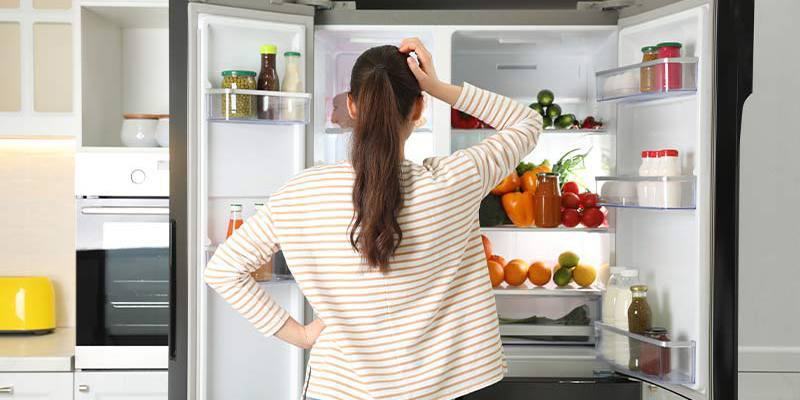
[
  {"x": 139, "y": 130},
  {"x": 668, "y": 75},
  {"x": 238, "y": 105}
]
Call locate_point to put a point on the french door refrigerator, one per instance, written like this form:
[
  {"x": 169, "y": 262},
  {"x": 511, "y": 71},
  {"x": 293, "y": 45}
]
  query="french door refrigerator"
[{"x": 685, "y": 248}]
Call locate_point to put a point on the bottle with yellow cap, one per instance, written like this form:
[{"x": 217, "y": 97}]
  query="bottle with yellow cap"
[{"x": 268, "y": 80}]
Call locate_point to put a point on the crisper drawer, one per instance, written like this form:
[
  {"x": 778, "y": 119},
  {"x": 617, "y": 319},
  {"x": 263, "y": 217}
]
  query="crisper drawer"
[
  {"x": 547, "y": 315},
  {"x": 615, "y": 388}
]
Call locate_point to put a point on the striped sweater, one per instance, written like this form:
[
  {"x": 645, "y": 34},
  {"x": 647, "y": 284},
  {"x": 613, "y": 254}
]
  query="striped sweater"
[{"x": 428, "y": 328}]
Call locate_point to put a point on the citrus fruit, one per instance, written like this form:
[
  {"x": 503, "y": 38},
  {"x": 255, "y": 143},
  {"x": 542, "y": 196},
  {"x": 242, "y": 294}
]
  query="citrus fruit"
[
  {"x": 487, "y": 246},
  {"x": 499, "y": 259},
  {"x": 562, "y": 276},
  {"x": 545, "y": 97},
  {"x": 539, "y": 274},
  {"x": 553, "y": 110},
  {"x": 584, "y": 275},
  {"x": 537, "y": 107},
  {"x": 496, "y": 273},
  {"x": 516, "y": 272},
  {"x": 568, "y": 259}
]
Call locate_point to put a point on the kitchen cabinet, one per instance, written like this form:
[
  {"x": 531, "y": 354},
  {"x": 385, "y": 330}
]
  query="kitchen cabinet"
[
  {"x": 121, "y": 385},
  {"x": 36, "y": 385}
]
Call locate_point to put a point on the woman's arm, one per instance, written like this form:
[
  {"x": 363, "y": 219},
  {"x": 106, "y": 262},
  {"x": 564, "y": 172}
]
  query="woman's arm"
[
  {"x": 518, "y": 126},
  {"x": 228, "y": 273}
]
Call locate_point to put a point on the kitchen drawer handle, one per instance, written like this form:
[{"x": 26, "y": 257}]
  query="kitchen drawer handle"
[
  {"x": 140, "y": 304},
  {"x": 7, "y": 389},
  {"x": 83, "y": 388}
]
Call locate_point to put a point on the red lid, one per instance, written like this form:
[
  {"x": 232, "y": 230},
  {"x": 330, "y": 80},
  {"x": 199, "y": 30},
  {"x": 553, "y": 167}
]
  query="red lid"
[
  {"x": 670, "y": 152},
  {"x": 644, "y": 153},
  {"x": 652, "y": 154},
  {"x": 662, "y": 153}
]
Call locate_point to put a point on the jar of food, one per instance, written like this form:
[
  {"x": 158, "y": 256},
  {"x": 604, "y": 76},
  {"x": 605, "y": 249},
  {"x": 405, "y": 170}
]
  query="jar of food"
[
  {"x": 655, "y": 359},
  {"x": 668, "y": 75},
  {"x": 639, "y": 321},
  {"x": 547, "y": 201},
  {"x": 647, "y": 74},
  {"x": 238, "y": 106}
]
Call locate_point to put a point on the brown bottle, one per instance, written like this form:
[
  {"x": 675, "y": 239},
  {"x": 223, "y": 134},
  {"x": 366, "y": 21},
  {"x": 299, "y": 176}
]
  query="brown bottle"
[
  {"x": 640, "y": 320},
  {"x": 268, "y": 80}
]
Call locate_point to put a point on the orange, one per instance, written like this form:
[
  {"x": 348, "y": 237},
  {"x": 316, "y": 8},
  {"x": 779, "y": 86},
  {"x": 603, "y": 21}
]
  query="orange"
[
  {"x": 496, "y": 273},
  {"x": 584, "y": 275},
  {"x": 539, "y": 274},
  {"x": 487, "y": 247},
  {"x": 516, "y": 271},
  {"x": 499, "y": 259}
]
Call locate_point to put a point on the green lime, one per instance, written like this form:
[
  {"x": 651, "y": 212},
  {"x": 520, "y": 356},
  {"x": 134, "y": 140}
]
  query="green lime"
[
  {"x": 547, "y": 122},
  {"x": 553, "y": 110},
  {"x": 568, "y": 259},
  {"x": 545, "y": 97},
  {"x": 538, "y": 107},
  {"x": 563, "y": 276},
  {"x": 564, "y": 121}
]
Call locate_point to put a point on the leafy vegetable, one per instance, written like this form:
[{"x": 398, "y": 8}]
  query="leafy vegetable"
[
  {"x": 524, "y": 167},
  {"x": 569, "y": 164}
]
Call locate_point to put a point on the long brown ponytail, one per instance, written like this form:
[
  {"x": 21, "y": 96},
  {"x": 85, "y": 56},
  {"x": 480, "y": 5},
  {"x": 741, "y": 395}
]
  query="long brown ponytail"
[{"x": 384, "y": 91}]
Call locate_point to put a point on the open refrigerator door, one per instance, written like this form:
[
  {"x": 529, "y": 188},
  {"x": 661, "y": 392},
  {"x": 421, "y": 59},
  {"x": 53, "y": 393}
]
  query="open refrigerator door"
[{"x": 244, "y": 142}]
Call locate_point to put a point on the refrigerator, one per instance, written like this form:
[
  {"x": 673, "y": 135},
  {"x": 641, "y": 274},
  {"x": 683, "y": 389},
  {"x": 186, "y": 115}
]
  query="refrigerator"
[{"x": 685, "y": 250}]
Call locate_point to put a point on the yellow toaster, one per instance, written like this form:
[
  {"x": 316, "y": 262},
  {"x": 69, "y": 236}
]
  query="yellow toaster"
[{"x": 27, "y": 304}]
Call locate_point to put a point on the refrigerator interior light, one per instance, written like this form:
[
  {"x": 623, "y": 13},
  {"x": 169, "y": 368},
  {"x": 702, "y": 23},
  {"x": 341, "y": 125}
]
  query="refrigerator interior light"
[{"x": 506, "y": 41}]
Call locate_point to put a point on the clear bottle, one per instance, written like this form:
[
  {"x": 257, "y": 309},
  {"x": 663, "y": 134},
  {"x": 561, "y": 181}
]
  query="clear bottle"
[
  {"x": 234, "y": 219},
  {"x": 622, "y": 301},
  {"x": 268, "y": 106},
  {"x": 640, "y": 320},
  {"x": 609, "y": 300},
  {"x": 294, "y": 109}
]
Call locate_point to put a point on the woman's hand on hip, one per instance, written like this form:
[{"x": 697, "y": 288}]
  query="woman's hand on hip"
[
  {"x": 312, "y": 332},
  {"x": 424, "y": 71}
]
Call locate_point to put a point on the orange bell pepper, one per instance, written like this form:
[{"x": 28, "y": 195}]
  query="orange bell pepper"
[
  {"x": 508, "y": 184},
  {"x": 519, "y": 208},
  {"x": 529, "y": 182}
]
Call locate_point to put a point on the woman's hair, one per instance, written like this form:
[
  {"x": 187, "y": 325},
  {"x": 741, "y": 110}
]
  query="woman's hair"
[{"x": 384, "y": 91}]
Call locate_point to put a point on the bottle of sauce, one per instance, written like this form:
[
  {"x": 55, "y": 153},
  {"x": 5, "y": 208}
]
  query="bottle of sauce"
[
  {"x": 647, "y": 75},
  {"x": 668, "y": 75},
  {"x": 294, "y": 109},
  {"x": 268, "y": 106},
  {"x": 235, "y": 219},
  {"x": 640, "y": 320},
  {"x": 547, "y": 201}
]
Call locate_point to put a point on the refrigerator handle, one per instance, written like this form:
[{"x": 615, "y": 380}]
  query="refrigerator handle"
[{"x": 172, "y": 288}]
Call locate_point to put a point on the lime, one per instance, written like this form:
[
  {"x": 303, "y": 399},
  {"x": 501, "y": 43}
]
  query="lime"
[
  {"x": 563, "y": 276},
  {"x": 565, "y": 121},
  {"x": 545, "y": 97},
  {"x": 538, "y": 107},
  {"x": 568, "y": 259},
  {"x": 553, "y": 111},
  {"x": 547, "y": 122}
]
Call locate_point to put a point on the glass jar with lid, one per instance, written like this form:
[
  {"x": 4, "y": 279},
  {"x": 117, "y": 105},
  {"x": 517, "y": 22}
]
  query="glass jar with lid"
[
  {"x": 647, "y": 74},
  {"x": 654, "y": 359},
  {"x": 640, "y": 319},
  {"x": 669, "y": 74},
  {"x": 234, "y": 105},
  {"x": 547, "y": 201}
]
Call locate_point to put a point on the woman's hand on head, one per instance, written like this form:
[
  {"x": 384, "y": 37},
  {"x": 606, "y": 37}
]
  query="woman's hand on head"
[{"x": 423, "y": 70}]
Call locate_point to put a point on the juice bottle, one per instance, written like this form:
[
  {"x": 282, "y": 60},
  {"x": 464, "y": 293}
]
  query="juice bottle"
[{"x": 235, "y": 220}]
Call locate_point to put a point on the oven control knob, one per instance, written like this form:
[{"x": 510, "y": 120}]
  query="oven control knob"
[{"x": 138, "y": 176}]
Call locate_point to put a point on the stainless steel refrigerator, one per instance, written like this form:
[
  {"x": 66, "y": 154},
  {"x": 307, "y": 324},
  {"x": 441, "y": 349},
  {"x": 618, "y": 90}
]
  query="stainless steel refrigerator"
[{"x": 684, "y": 247}]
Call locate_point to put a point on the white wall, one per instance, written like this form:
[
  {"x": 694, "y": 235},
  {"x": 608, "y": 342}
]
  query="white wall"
[{"x": 769, "y": 275}]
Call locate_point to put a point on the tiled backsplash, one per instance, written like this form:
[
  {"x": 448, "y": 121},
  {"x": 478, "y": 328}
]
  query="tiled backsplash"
[{"x": 37, "y": 210}]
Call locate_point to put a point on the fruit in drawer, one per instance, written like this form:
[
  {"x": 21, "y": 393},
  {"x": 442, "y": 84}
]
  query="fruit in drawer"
[
  {"x": 562, "y": 276},
  {"x": 568, "y": 259},
  {"x": 487, "y": 247},
  {"x": 584, "y": 275},
  {"x": 516, "y": 272},
  {"x": 545, "y": 97},
  {"x": 496, "y": 273},
  {"x": 539, "y": 274}
]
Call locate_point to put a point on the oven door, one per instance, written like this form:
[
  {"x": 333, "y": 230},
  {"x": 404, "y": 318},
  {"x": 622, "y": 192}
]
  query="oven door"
[{"x": 122, "y": 283}]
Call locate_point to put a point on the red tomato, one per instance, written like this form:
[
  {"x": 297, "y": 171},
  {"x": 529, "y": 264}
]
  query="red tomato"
[
  {"x": 570, "y": 187},
  {"x": 588, "y": 200},
  {"x": 570, "y": 217},
  {"x": 592, "y": 217},
  {"x": 570, "y": 200},
  {"x": 462, "y": 120}
]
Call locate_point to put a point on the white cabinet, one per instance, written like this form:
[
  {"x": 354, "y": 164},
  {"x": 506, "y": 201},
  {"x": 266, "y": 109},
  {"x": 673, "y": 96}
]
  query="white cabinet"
[
  {"x": 36, "y": 385},
  {"x": 121, "y": 385}
]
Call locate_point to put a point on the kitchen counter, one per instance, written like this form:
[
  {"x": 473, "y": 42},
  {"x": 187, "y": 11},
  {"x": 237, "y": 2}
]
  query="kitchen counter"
[{"x": 38, "y": 353}]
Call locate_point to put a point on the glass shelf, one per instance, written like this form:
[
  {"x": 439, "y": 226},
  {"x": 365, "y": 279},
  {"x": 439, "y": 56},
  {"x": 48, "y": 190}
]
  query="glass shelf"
[
  {"x": 647, "y": 192},
  {"x": 240, "y": 105},
  {"x": 658, "y": 361},
  {"x": 527, "y": 289},
  {"x": 341, "y": 131},
  {"x": 566, "y": 132},
  {"x": 666, "y": 77},
  {"x": 534, "y": 229}
]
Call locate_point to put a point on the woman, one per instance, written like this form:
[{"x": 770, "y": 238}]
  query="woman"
[{"x": 388, "y": 253}]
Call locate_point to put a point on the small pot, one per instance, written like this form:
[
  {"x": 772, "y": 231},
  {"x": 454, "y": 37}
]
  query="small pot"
[
  {"x": 162, "y": 131},
  {"x": 139, "y": 130}
]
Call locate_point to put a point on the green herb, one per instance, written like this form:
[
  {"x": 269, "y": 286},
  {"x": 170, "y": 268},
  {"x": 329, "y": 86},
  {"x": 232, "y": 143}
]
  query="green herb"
[
  {"x": 524, "y": 167},
  {"x": 569, "y": 164}
]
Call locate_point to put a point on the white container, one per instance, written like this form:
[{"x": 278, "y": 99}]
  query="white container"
[
  {"x": 293, "y": 110},
  {"x": 622, "y": 300},
  {"x": 642, "y": 187},
  {"x": 609, "y": 302},
  {"x": 671, "y": 166},
  {"x": 162, "y": 131},
  {"x": 139, "y": 130}
]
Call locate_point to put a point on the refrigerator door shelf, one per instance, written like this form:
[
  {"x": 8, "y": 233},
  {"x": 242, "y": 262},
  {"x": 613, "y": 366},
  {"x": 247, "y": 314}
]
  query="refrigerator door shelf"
[
  {"x": 660, "y": 362},
  {"x": 240, "y": 105},
  {"x": 550, "y": 289},
  {"x": 535, "y": 229},
  {"x": 664, "y": 77},
  {"x": 647, "y": 192}
]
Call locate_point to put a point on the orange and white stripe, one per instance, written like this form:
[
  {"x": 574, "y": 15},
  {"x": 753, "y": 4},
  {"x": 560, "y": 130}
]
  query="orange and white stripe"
[{"x": 428, "y": 328}]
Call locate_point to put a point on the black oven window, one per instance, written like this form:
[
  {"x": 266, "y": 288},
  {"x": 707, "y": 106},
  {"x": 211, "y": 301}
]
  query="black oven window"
[{"x": 123, "y": 297}]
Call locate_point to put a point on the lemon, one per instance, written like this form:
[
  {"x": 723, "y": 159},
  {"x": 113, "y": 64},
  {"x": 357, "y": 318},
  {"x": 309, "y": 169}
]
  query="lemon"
[
  {"x": 568, "y": 259},
  {"x": 584, "y": 275}
]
